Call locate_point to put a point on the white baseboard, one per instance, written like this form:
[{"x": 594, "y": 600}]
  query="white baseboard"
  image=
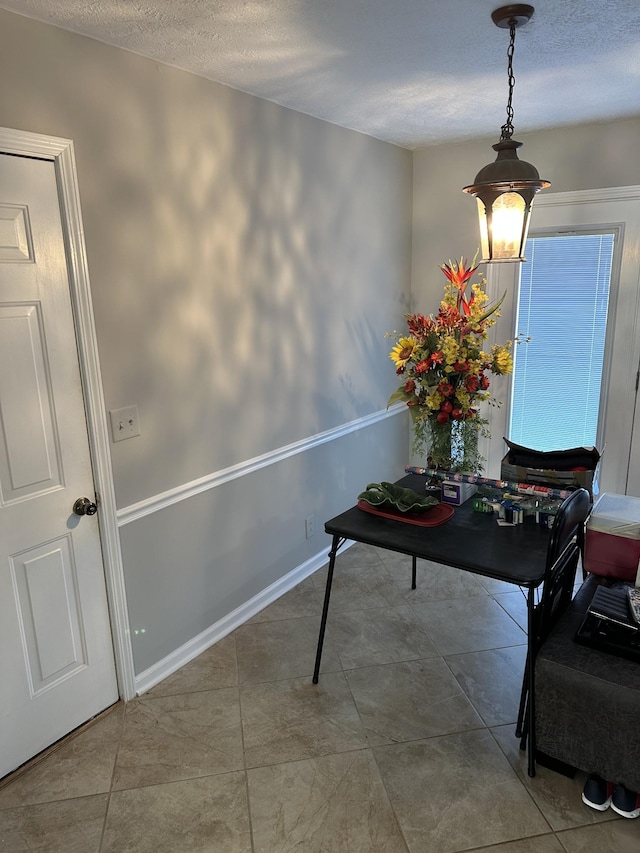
[{"x": 181, "y": 656}]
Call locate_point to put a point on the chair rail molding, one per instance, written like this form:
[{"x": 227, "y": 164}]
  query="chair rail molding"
[{"x": 242, "y": 469}]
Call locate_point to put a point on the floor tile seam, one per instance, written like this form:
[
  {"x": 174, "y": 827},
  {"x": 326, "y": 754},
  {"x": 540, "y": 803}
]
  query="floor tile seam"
[
  {"x": 242, "y": 738},
  {"x": 479, "y": 651},
  {"x": 483, "y": 596},
  {"x": 104, "y": 822},
  {"x": 390, "y": 798},
  {"x": 372, "y": 563},
  {"x": 422, "y": 659},
  {"x": 252, "y": 623},
  {"x": 173, "y": 782},
  {"x": 150, "y": 694},
  {"x": 117, "y": 752},
  {"x": 470, "y": 698},
  {"x": 512, "y": 617},
  {"x": 315, "y": 757},
  {"x": 247, "y": 794},
  {"x": 146, "y": 698},
  {"x": 427, "y": 738},
  {"x": 363, "y": 749},
  {"x": 334, "y": 608},
  {"x": 194, "y": 778},
  {"x": 416, "y": 606},
  {"x": 446, "y": 654},
  {"x": 520, "y": 779},
  {"x": 412, "y": 598},
  {"x": 405, "y": 659},
  {"x": 362, "y": 725},
  {"x": 54, "y": 800},
  {"x": 335, "y": 611},
  {"x": 31, "y": 764},
  {"x": 459, "y": 733},
  {"x": 606, "y": 818},
  {"x": 309, "y": 675},
  {"x": 504, "y": 844}
]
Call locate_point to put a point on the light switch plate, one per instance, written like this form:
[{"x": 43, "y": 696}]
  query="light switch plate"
[{"x": 124, "y": 423}]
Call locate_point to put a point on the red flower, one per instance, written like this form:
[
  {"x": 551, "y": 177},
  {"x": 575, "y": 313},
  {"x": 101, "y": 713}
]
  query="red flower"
[
  {"x": 419, "y": 325},
  {"x": 459, "y": 274},
  {"x": 422, "y": 366},
  {"x": 448, "y": 316},
  {"x": 484, "y": 382},
  {"x": 471, "y": 383},
  {"x": 461, "y": 366},
  {"x": 436, "y": 357},
  {"x": 410, "y": 387},
  {"x": 446, "y": 389}
]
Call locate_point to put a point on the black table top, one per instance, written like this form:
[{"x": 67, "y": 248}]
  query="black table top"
[{"x": 472, "y": 541}]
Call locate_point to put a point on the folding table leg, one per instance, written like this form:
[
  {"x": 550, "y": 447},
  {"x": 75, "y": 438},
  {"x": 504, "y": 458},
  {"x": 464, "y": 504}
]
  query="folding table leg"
[
  {"x": 531, "y": 650},
  {"x": 523, "y": 699},
  {"x": 337, "y": 543}
]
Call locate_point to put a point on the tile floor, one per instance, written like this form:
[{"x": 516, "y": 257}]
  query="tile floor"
[{"x": 405, "y": 746}]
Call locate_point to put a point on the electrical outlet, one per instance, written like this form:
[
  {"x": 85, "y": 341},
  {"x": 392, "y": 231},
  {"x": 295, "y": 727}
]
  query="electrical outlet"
[
  {"x": 309, "y": 526},
  {"x": 124, "y": 423}
]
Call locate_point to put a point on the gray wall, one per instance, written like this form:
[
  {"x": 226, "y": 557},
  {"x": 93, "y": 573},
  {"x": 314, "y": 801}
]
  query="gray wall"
[{"x": 245, "y": 263}]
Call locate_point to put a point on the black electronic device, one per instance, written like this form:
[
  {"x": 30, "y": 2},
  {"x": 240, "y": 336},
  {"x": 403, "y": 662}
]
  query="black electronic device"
[{"x": 608, "y": 624}]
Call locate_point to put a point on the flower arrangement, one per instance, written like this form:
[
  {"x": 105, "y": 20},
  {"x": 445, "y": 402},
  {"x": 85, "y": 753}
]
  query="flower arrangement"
[{"x": 445, "y": 371}]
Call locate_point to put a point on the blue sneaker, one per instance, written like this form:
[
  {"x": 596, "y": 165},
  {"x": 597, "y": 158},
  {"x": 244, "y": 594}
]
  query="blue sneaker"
[
  {"x": 597, "y": 793},
  {"x": 625, "y": 802}
]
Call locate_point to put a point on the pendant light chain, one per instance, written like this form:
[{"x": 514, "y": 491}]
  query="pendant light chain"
[{"x": 507, "y": 128}]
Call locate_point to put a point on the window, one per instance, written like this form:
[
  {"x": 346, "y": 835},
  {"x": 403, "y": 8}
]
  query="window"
[{"x": 562, "y": 307}]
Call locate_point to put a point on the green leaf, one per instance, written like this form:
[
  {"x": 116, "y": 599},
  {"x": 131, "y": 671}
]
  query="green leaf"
[{"x": 398, "y": 396}]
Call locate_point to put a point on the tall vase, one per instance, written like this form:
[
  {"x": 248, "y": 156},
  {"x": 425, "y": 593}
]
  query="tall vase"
[{"x": 453, "y": 446}]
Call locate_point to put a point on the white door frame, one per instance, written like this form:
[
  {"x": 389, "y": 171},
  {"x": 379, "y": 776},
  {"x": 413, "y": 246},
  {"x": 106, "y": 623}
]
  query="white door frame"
[
  {"x": 625, "y": 314},
  {"x": 61, "y": 152}
]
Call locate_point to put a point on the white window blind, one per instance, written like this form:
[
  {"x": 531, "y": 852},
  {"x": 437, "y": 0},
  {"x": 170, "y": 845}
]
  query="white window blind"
[{"x": 562, "y": 306}]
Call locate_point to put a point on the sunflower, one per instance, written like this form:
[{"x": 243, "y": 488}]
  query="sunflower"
[
  {"x": 402, "y": 351},
  {"x": 502, "y": 360}
]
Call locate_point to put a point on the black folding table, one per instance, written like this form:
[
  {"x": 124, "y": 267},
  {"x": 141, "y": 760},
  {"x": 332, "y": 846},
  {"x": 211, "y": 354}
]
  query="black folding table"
[{"x": 470, "y": 541}]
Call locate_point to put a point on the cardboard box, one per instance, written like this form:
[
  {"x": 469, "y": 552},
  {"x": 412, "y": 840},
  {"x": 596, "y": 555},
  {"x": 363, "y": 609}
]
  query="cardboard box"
[
  {"x": 573, "y": 468},
  {"x": 457, "y": 493},
  {"x": 612, "y": 541},
  {"x": 547, "y": 476}
]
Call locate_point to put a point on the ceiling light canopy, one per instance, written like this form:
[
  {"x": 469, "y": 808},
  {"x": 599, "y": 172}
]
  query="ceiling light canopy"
[{"x": 505, "y": 189}]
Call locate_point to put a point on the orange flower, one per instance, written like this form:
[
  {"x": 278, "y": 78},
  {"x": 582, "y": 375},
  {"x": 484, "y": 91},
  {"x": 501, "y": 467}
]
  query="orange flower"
[{"x": 459, "y": 274}]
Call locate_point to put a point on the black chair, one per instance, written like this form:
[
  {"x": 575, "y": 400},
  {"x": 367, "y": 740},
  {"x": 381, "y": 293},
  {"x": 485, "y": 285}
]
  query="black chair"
[{"x": 566, "y": 545}]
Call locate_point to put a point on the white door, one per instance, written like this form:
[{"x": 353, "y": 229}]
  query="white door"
[
  {"x": 617, "y": 210},
  {"x": 56, "y": 656}
]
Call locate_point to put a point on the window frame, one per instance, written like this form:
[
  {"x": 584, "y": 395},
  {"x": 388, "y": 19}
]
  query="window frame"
[{"x": 617, "y": 231}]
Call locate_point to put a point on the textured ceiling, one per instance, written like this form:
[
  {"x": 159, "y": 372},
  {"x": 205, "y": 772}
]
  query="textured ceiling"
[{"x": 412, "y": 72}]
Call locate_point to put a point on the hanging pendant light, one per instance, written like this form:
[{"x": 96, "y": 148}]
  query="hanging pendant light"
[{"x": 505, "y": 189}]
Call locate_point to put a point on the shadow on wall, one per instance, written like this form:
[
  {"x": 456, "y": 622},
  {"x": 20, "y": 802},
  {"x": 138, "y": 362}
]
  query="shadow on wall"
[{"x": 246, "y": 262}]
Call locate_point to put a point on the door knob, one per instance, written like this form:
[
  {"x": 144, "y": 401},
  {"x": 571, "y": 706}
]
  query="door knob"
[{"x": 83, "y": 506}]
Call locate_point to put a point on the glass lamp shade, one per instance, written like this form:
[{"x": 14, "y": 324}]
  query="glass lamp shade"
[{"x": 505, "y": 191}]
